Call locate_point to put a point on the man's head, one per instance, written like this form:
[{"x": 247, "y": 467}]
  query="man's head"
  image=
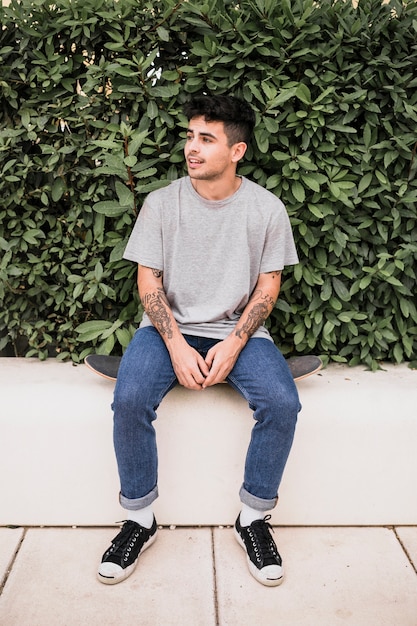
[{"x": 237, "y": 116}]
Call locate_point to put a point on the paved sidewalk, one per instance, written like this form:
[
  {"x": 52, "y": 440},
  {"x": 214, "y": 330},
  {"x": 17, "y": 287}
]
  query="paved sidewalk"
[{"x": 362, "y": 576}]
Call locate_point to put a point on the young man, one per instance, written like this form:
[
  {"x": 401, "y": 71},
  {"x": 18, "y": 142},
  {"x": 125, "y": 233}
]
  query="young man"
[{"x": 210, "y": 249}]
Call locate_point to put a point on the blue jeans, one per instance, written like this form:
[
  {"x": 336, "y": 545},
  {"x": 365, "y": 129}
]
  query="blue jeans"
[{"x": 260, "y": 375}]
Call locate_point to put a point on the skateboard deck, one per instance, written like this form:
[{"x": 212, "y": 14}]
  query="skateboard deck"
[{"x": 108, "y": 366}]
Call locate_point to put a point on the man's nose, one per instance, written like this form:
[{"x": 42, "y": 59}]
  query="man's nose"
[{"x": 193, "y": 145}]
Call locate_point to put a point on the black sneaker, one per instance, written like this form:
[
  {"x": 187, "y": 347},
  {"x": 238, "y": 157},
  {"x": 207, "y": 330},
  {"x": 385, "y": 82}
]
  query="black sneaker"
[
  {"x": 265, "y": 563},
  {"x": 120, "y": 560}
]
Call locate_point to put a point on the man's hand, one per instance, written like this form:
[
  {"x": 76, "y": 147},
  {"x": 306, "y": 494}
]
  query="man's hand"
[
  {"x": 189, "y": 366},
  {"x": 221, "y": 358}
]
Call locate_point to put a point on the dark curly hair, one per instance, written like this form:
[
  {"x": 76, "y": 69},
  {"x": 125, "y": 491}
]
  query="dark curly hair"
[{"x": 237, "y": 116}]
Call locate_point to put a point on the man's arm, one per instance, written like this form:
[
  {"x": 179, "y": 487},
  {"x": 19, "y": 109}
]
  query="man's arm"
[
  {"x": 259, "y": 306},
  {"x": 222, "y": 357},
  {"x": 189, "y": 366}
]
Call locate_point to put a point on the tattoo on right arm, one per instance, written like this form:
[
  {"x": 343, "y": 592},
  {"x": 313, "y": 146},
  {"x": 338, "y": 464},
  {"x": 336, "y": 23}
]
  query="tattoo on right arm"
[
  {"x": 156, "y": 306},
  {"x": 157, "y": 273}
]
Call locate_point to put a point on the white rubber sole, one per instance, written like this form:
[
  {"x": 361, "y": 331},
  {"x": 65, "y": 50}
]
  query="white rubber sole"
[{"x": 122, "y": 574}]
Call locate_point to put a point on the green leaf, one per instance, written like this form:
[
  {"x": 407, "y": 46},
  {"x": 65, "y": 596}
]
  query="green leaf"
[
  {"x": 303, "y": 93},
  {"x": 311, "y": 181},
  {"x": 393, "y": 281},
  {"x": 137, "y": 139},
  {"x": 92, "y": 330},
  {"x": 284, "y": 96},
  {"x": 271, "y": 125},
  {"x": 364, "y": 183},
  {"x": 298, "y": 191},
  {"x": 340, "y": 289},
  {"x": 106, "y": 346},
  {"x": 33, "y": 235},
  {"x": 342, "y": 128},
  {"x": 125, "y": 195},
  {"x": 58, "y": 189},
  {"x": 281, "y": 156},
  {"x": 109, "y": 144},
  {"x": 163, "y": 33},
  {"x": 130, "y": 161},
  {"x": 365, "y": 282},
  {"x": 91, "y": 293},
  {"x": 123, "y": 337},
  {"x": 109, "y": 331},
  {"x": 326, "y": 291},
  {"x": 157, "y": 184},
  {"x": 118, "y": 250},
  {"x": 78, "y": 290},
  {"x": 122, "y": 71},
  {"x": 398, "y": 353},
  {"x": 110, "y": 208},
  {"x": 98, "y": 271},
  {"x": 148, "y": 173},
  {"x": 316, "y": 211}
]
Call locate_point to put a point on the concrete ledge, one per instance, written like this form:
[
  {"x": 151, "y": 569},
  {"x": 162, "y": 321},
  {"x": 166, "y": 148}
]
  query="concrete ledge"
[{"x": 353, "y": 461}]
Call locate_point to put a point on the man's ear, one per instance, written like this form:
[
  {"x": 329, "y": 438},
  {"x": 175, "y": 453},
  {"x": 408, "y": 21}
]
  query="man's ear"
[{"x": 238, "y": 151}]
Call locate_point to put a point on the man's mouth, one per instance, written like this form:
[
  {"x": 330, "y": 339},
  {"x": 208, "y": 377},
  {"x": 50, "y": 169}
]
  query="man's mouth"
[{"x": 193, "y": 162}]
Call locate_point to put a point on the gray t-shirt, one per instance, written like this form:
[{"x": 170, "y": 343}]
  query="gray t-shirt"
[{"x": 211, "y": 252}]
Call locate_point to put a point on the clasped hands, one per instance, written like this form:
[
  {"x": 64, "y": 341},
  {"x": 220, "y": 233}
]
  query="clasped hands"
[{"x": 193, "y": 371}]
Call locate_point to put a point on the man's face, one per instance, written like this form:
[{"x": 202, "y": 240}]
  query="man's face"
[{"x": 207, "y": 152}]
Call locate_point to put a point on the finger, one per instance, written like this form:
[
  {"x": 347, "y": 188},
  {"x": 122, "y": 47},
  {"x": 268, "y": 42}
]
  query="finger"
[
  {"x": 196, "y": 377},
  {"x": 203, "y": 366},
  {"x": 199, "y": 378},
  {"x": 191, "y": 383},
  {"x": 209, "y": 358},
  {"x": 193, "y": 386},
  {"x": 213, "y": 378}
]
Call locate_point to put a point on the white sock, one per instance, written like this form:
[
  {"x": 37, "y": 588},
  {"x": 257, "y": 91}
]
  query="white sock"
[
  {"x": 144, "y": 516},
  {"x": 249, "y": 515}
]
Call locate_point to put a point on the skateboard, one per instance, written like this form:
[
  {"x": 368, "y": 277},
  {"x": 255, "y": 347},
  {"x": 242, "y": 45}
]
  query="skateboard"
[{"x": 108, "y": 366}]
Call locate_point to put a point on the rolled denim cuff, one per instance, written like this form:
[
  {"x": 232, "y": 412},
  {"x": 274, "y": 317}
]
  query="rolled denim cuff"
[
  {"x": 259, "y": 504},
  {"x": 135, "y": 504}
]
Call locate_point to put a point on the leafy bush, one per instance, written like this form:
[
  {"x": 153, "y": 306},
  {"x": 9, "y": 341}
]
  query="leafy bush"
[{"x": 90, "y": 122}]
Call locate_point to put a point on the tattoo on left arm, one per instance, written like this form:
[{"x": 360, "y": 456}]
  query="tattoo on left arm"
[
  {"x": 256, "y": 315},
  {"x": 259, "y": 307}
]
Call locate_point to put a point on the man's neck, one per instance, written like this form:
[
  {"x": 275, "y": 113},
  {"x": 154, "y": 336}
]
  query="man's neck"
[{"x": 216, "y": 190}]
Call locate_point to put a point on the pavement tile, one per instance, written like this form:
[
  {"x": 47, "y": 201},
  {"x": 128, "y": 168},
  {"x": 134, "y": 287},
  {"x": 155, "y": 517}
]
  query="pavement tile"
[
  {"x": 10, "y": 539},
  {"x": 53, "y": 581},
  {"x": 357, "y": 576},
  {"x": 408, "y": 538}
]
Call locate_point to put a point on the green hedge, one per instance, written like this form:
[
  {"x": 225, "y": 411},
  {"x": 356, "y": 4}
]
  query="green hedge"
[{"x": 90, "y": 122}]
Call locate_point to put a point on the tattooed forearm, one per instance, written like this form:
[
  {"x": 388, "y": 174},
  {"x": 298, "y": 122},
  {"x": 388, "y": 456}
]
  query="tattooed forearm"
[
  {"x": 157, "y": 273},
  {"x": 256, "y": 315},
  {"x": 156, "y": 306}
]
